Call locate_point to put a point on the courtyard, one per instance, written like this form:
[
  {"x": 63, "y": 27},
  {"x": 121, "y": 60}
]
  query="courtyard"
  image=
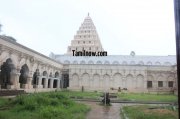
[{"x": 87, "y": 105}]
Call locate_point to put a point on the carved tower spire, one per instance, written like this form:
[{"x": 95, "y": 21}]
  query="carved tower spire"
[{"x": 86, "y": 38}]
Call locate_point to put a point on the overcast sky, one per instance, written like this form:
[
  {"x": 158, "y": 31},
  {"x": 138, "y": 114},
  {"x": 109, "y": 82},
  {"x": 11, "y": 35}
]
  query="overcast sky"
[{"x": 144, "y": 26}]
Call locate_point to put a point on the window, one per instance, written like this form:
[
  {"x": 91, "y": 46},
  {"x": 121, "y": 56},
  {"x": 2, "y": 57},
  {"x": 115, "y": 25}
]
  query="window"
[
  {"x": 149, "y": 84},
  {"x": 89, "y": 48},
  {"x": 84, "y": 42},
  {"x": 160, "y": 83},
  {"x": 78, "y": 42},
  {"x": 89, "y": 41},
  {"x": 76, "y": 48},
  {"x": 170, "y": 84},
  {"x": 83, "y": 48}
]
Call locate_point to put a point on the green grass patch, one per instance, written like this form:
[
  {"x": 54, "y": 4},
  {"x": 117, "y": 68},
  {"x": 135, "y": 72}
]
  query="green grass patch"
[
  {"x": 82, "y": 95},
  {"x": 52, "y": 105},
  {"x": 147, "y": 97},
  {"x": 150, "y": 112}
]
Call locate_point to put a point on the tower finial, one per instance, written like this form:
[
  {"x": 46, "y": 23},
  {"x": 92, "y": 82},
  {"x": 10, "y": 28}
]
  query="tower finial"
[{"x": 88, "y": 14}]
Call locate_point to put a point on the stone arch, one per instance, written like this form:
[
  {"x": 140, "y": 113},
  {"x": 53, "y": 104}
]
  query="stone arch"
[
  {"x": 85, "y": 80},
  {"x": 75, "y": 62},
  {"x": 35, "y": 77},
  {"x": 141, "y": 63},
  {"x": 106, "y": 62},
  {"x": 150, "y": 78},
  {"x": 170, "y": 78},
  {"x": 170, "y": 81},
  {"x": 157, "y": 63},
  {"x": 129, "y": 81},
  {"x": 115, "y": 62},
  {"x": 75, "y": 80},
  {"x": 90, "y": 62},
  {"x": 167, "y": 63},
  {"x": 98, "y": 62},
  {"x": 149, "y": 63},
  {"x": 24, "y": 72},
  {"x": 66, "y": 62},
  {"x": 160, "y": 78},
  {"x": 132, "y": 63},
  {"x": 55, "y": 83},
  {"x": 50, "y": 74},
  {"x": 7, "y": 68},
  {"x": 45, "y": 73},
  {"x": 82, "y": 62},
  {"x": 96, "y": 80},
  {"x": 118, "y": 81},
  {"x": 56, "y": 75},
  {"x": 150, "y": 81},
  {"x": 124, "y": 63},
  {"x": 106, "y": 81},
  {"x": 140, "y": 81}
]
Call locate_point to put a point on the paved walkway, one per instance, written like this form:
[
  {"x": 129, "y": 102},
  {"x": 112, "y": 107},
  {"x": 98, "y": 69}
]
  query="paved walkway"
[
  {"x": 108, "y": 112},
  {"x": 102, "y": 112}
]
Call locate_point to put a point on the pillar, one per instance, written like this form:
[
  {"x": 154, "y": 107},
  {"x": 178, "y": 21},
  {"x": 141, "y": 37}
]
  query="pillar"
[
  {"x": 58, "y": 83},
  {"x": 51, "y": 82},
  {"x": 14, "y": 80},
  {"x": 46, "y": 83}
]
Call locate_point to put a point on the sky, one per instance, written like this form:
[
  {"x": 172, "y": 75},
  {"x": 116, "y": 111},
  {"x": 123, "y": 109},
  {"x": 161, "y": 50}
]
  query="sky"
[{"x": 144, "y": 26}]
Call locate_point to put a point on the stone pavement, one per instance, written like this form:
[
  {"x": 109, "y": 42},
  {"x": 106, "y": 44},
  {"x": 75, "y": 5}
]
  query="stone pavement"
[
  {"x": 102, "y": 112},
  {"x": 109, "y": 112}
]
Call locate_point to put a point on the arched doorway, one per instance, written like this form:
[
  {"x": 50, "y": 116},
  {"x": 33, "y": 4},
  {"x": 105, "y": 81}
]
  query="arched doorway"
[
  {"x": 140, "y": 81},
  {"x": 75, "y": 80},
  {"x": 96, "y": 80},
  {"x": 55, "y": 84},
  {"x": 44, "y": 78},
  {"x": 5, "y": 75},
  {"x": 118, "y": 81},
  {"x": 85, "y": 80},
  {"x": 35, "y": 78},
  {"x": 65, "y": 80},
  {"x": 23, "y": 75},
  {"x": 56, "y": 74}
]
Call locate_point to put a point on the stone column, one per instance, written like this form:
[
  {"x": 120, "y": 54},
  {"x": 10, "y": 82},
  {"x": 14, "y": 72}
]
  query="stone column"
[
  {"x": 51, "y": 82},
  {"x": 58, "y": 83},
  {"x": 38, "y": 82},
  {"x": 14, "y": 80},
  {"x": 28, "y": 85},
  {"x": 46, "y": 83},
  {"x": 70, "y": 81},
  {"x": 29, "y": 82}
]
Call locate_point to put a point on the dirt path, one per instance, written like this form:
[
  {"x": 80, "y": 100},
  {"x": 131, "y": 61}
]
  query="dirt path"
[{"x": 102, "y": 112}]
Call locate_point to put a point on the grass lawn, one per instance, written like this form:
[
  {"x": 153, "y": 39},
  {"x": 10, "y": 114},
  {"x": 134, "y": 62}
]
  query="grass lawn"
[
  {"x": 149, "y": 112},
  {"x": 147, "y": 97},
  {"x": 52, "y": 105},
  {"x": 82, "y": 95}
]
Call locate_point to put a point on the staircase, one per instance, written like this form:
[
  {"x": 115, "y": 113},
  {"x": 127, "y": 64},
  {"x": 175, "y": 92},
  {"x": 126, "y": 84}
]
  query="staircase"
[{"x": 11, "y": 92}]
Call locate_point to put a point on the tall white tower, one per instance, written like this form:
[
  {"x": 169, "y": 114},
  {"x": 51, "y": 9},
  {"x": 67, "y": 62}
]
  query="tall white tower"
[{"x": 86, "y": 38}]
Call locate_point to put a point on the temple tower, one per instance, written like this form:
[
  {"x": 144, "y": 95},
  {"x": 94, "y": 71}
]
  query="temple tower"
[{"x": 86, "y": 38}]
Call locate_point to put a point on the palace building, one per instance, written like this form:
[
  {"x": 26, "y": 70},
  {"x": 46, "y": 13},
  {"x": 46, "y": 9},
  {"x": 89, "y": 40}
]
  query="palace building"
[{"x": 24, "y": 68}]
